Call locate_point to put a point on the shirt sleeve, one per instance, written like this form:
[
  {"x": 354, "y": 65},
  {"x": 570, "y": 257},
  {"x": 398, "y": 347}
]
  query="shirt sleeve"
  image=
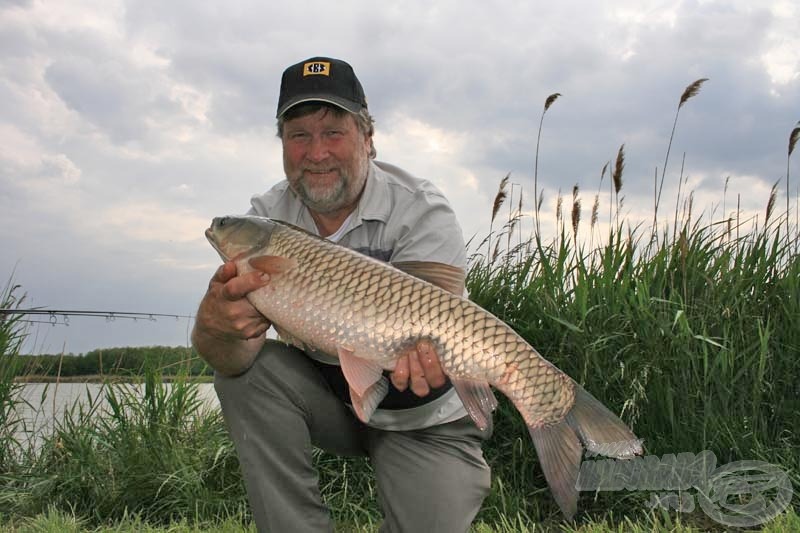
[{"x": 428, "y": 231}]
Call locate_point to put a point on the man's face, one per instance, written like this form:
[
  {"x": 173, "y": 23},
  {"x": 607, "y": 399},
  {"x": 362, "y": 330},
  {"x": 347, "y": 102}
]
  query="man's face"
[{"x": 326, "y": 159}]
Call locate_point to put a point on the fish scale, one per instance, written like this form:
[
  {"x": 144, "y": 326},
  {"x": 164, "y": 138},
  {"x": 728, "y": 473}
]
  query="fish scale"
[{"x": 368, "y": 313}]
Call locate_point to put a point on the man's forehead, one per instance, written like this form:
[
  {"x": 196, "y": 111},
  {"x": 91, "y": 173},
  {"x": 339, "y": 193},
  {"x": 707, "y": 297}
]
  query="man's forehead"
[{"x": 324, "y": 116}]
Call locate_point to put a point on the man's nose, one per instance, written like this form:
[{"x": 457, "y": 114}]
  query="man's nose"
[{"x": 318, "y": 149}]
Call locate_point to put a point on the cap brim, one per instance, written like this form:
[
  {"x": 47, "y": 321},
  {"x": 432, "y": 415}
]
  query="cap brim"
[{"x": 347, "y": 105}]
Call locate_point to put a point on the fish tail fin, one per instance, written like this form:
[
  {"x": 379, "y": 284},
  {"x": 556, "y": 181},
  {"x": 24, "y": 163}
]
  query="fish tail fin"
[
  {"x": 559, "y": 451},
  {"x": 601, "y": 432},
  {"x": 588, "y": 425}
]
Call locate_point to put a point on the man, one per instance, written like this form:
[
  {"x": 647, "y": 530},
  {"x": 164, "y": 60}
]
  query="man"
[{"x": 279, "y": 401}]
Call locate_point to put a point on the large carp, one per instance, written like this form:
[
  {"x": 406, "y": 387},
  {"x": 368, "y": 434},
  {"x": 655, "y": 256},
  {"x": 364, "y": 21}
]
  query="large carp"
[{"x": 366, "y": 313}]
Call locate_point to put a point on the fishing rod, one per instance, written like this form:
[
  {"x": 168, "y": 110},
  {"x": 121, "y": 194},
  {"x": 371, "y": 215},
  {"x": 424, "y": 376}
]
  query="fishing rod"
[{"x": 110, "y": 316}]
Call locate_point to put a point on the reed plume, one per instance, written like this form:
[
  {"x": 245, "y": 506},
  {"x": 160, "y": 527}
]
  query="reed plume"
[
  {"x": 603, "y": 174},
  {"x": 616, "y": 175},
  {"x": 770, "y": 205},
  {"x": 691, "y": 90},
  {"x": 547, "y": 103},
  {"x": 793, "y": 137},
  {"x": 499, "y": 198},
  {"x": 550, "y": 99},
  {"x": 576, "y": 212},
  {"x": 619, "y": 166},
  {"x": 559, "y": 201}
]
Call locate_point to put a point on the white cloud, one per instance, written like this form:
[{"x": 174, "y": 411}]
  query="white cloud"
[
  {"x": 781, "y": 58},
  {"x": 151, "y": 222},
  {"x": 62, "y": 168}
]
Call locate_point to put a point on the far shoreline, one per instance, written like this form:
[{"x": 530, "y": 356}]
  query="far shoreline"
[{"x": 107, "y": 378}]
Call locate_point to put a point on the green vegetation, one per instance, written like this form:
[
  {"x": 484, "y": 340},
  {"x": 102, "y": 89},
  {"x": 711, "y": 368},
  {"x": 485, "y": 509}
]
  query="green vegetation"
[
  {"x": 127, "y": 362},
  {"x": 690, "y": 331},
  {"x": 11, "y": 337}
]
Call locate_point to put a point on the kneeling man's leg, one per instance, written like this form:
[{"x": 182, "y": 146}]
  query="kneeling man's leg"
[
  {"x": 430, "y": 480},
  {"x": 275, "y": 412}
]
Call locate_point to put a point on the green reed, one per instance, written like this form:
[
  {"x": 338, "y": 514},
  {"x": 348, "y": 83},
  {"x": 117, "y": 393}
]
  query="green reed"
[
  {"x": 691, "y": 334},
  {"x": 12, "y": 334},
  {"x": 158, "y": 453}
]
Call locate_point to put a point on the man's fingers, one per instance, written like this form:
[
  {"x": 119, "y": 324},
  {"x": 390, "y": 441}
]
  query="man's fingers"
[
  {"x": 431, "y": 367},
  {"x": 238, "y": 287},
  {"x": 258, "y": 329},
  {"x": 419, "y": 383},
  {"x": 224, "y": 273},
  {"x": 420, "y": 369},
  {"x": 400, "y": 374}
]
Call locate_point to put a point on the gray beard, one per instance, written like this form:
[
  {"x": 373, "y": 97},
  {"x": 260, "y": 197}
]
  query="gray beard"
[{"x": 326, "y": 201}]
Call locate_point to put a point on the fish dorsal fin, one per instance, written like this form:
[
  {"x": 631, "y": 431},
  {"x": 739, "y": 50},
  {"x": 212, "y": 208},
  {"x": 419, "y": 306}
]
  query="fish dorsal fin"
[
  {"x": 478, "y": 400},
  {"x": 273, "y": 265},
  {"x": 359, "y": 373},
  {"x": 442, "y": 275}
]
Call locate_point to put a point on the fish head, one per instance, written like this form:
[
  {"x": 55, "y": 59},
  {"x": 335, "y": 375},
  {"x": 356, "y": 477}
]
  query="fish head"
[{"x": 238, "y": 236}]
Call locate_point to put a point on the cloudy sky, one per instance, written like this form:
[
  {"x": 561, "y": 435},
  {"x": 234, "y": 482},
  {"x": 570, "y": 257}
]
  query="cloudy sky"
[{"x": 126, "y": 126}]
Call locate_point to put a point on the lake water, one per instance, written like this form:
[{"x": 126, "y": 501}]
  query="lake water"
[{"x": 44, "y": 403}]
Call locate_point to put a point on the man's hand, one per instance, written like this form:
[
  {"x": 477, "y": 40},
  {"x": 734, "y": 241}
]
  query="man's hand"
[
  {"x": 229, "y": 331},
  {"x": 225, "y": 313},
  {"x": 420, "y": 365}
]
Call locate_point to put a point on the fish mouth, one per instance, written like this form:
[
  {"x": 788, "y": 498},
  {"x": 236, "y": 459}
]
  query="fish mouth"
[{"x": 213, "y": 241}]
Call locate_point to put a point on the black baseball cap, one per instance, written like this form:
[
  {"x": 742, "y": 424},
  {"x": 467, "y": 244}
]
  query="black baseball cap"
[{"x": 321, "y": 79}]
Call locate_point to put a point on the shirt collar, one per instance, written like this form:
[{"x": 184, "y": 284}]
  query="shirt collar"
[{"x": 374, "y": 203}]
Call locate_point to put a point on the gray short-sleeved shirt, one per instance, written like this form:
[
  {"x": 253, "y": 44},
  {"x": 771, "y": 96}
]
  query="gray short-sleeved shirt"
[{"x": 399, "y": 218}]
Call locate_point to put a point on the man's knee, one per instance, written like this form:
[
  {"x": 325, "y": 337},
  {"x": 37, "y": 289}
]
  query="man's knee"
[{"x": 278, "y": 370}]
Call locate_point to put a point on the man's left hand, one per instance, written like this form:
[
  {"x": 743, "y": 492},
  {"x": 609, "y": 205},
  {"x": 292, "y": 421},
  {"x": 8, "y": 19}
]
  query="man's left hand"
[{"x": 419, "y": 365}]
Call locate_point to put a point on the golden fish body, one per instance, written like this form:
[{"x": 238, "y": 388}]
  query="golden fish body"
[{"x": 340, "y": 302}]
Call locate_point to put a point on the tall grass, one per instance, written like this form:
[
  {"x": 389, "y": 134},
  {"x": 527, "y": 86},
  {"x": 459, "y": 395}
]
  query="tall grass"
[
  {"x": 12, "y": 334},
  {"x": 159, "y": 454},
  {"x": 692, "y": 335}
]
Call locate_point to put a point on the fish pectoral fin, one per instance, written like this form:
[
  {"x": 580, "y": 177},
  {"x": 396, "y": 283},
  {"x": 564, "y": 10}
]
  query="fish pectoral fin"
[
  {"x": 365, "y": 405},
  {"x": 273, "y": 265},
  {"x": 359, "y": 373},
  {"x": 478, "y": 400}
]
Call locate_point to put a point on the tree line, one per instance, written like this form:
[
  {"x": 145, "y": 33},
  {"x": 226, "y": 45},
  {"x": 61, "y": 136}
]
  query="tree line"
[{"x": 124, "y": 361}]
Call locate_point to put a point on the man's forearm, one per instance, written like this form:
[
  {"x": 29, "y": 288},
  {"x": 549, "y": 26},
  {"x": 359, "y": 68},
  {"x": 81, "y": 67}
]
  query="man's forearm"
[{"x": 229, "y": 357}]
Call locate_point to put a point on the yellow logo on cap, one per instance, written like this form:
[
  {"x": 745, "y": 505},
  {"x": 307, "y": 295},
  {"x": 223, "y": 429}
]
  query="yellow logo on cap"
[{"x": 317, "y": 68}]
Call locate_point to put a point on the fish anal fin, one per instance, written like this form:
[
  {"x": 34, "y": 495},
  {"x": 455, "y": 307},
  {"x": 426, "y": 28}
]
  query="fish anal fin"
[
  {"x": 360, "y": 374},
  {"x": 478, "y": 400},
  {"x": 274, "y": 265},
  {"x": 559, "y": 451},
  {"x": 365, "y": 405}
]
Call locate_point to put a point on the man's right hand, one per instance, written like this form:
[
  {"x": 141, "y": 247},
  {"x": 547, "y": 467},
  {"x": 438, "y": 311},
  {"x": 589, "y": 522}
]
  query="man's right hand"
[
  {"x": 229, "y": 331},
  {"x": 225, "y": 312}
]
